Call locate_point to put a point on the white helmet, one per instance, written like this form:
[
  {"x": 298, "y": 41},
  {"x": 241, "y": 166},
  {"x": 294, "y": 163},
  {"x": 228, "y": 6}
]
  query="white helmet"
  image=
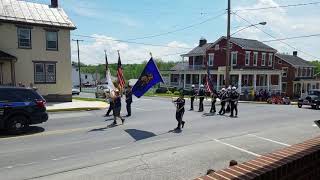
[
  {"x": 193, "y": 85},
  {"x": 223, "y": 89},
  {"x": 229, "y": 88},
  {"x": 201, "y": 86},
  {"x": 234, "y": 88}
]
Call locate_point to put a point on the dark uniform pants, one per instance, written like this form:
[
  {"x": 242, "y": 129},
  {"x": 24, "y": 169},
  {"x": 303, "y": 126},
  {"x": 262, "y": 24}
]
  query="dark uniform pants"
[
  {"x": 234, "y": 107},
  {"x": 179, "y": 116},
  {"x": 110, "y": 109},
  {"x": 222, "y": 110},
  {"x": 213, "y": 106},
  {"x": 192, "y": 100},
  {"x": 201, "y": 104},
  {"x": 129, "y": 108}
]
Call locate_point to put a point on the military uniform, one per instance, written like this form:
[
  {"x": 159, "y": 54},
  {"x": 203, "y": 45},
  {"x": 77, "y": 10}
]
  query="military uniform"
[
  {"x": 117, "y": 109},
  {"x": 213, "y": 102},
  {"x": 180, "y": 102},
  {"x": 201, "y": 95},
  {"x": 234, "y": 96},
  {"x": 223, "y": 97},
  {"x": 192, "y": 96},
  {"x": 129, "y": 100},
  {"x": 111, "y": 104}
]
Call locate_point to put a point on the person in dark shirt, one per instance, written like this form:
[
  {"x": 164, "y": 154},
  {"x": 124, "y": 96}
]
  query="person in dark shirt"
[
  {"x": 222, "y": 97},
  {"x": 117, "y": 107},
  {"x": 110, "y": 101},
  {"x": 180, "y": 102},
  {"x": 234, "y": 96},
  {"x": 213, "y": 101},
  {"x": 192, "y": 96},
  {"x": 201, "y": 95},
  {"x": 129, "y": 100}
]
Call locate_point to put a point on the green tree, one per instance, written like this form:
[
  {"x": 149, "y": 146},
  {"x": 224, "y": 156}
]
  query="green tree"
[{"x": 317, "y": 68}]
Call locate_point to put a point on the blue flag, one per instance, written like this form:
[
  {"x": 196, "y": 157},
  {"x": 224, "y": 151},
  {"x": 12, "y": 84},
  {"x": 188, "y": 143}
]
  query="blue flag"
[{"x": 149, "y": 77}]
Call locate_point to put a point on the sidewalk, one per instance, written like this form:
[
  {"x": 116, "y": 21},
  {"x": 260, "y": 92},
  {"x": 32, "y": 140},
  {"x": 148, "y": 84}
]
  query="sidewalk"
[{"x": 76, "y": 105}]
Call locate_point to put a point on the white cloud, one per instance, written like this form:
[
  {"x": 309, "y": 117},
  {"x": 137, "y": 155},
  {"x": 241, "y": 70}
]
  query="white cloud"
[
  {"x": 92, "y": 51},
  {"x": 281, "y": 23}
]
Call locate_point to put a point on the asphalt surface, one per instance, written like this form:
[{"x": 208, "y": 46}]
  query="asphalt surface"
[{"x": 82, "y": 145}]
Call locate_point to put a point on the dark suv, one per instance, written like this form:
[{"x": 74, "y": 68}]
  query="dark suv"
[
  {"x": 312, "y": 99},
  {"x": 21, "y": 107}
]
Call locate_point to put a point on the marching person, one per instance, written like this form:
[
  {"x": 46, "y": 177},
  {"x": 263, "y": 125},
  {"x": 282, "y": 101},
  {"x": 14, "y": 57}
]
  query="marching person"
[
  {"x": 222, "y": 97},
  {"x": 110, "y": 101},
  {"x": 201, "y": 95},
  {"x": 228, "y": 100},
  {"x": 129, "y": 100},
  {"x": 213, "y": 101},
  {"x": 192, "y": 96},
  {"x": 234, "y": 96},
  {"x": 117, "y": 107},
  {"x": 180, "y": 102}
]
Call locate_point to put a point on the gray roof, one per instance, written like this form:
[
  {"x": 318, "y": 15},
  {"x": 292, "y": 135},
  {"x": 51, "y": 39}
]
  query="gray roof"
[
  {"x": 33, "y": 13},
  {"x": 251, "y": 44},
  {"x": 294, "y": 60},
  {"x": 180, "y": 66},
  {"x": 199, "y": 50},
  {"x": 6, "y": 56}
]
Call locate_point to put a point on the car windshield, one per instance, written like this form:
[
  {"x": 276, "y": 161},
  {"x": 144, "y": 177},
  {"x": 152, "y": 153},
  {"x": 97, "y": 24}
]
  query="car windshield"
[{"x": 314, "y": 93}]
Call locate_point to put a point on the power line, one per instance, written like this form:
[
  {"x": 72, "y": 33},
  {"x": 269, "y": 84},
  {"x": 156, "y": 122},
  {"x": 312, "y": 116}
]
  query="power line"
[
  {"x": 179, "y": 29},
  {"x": 295, "y": 37},
  {"x": 131, "y": 42},
  {"x": 280, "y": 6},
  {"x": 275, "y": 37}
]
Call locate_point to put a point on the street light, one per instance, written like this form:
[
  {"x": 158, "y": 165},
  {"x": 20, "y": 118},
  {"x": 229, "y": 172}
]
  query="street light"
[{"x": 260, "y": 23}]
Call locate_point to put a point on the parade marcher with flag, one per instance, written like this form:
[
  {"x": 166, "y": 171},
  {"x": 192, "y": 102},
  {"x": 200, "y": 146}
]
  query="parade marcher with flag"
[
  {"x": 228, "y": 100},
  {"x": 234, "y": 96},
  {"x": 110, "y": 101},
  {"x": 192, "y": 96},
  {"x": 117, "y": 107},
  {"x": 201, "y": 94},
  {"x": 213, "y": 101},
  {"x": 110, "y": 91},
  {"x": 180, "y": 102},
  {"x": 121, "y": 81},
  {"x": 223, "y": 98},
  {"x": 128, "y": 94}
]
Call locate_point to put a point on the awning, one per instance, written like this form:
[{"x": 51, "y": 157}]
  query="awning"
[{"x": 6, "y": 56}]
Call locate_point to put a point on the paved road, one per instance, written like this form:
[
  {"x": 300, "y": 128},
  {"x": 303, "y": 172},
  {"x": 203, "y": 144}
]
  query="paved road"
[{"x": 81, "y": 145}]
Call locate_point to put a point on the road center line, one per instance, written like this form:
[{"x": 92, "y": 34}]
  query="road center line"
[
  {"x": 140, "y": 109},
  {"x": 238, "y": 148},
  {"x": 277, "y": 142}
]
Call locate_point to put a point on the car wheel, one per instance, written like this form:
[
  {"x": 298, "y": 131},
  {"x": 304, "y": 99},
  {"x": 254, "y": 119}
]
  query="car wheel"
[
  {"x": 299, "y": 105},
  {"x": 317, "y": 106},
  {"x": 313, "y": 106},
  {"x": 17, "y": 124}
]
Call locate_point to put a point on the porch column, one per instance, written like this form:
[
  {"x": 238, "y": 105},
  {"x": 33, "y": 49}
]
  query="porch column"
[
  {"x": 240, "y": 83},
  {"x": 184, "y": 80},
  {"x": 13, "y": 77},
  {"x": 280, "y": 83},
  {"x": 191, "y": 79},
  {"x": 169, "y": 83},
  {"x": 218, "y": 82},
  {"x": 199, "y": 80},
  {"x": 192, "y": 62},
  {"x": 268, "y": 82},
  {"x": 179, "y": 80},
  {"x": 254, "y": 81}
]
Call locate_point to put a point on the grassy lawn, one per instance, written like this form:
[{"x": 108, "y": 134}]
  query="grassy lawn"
[{"x": 88, "y": 99}]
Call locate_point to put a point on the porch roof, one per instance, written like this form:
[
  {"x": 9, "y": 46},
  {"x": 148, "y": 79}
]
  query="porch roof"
[{"x": 6, "y": 56}]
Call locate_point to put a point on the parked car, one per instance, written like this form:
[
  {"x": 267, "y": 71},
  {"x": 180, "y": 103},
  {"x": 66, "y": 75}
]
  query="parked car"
[
  {"x": 312, "y": 99},
  {"x": 75, "y": 91},
  {"x": 21, "y": 107},
  {"x": 101, "y": 91}
]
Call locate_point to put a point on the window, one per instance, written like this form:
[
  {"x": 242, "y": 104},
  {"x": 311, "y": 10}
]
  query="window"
[
  {"x": 211, "y": 59},
  {"x": 248, "y": 58},
  {"x": 310, "y": 72},
  {"x": 279, "y": 61},
  {"x": 270, "y": 59},
  {"x": 216, "y": 47},
  {"x": 86, "y": 76},
  {"x": 44, "y": 72},
  {"x": 24, "y": 37},
  {"x": 255, "y": 58},
  {"x": 52, "y": 40},
  {"x": 234, "y": 58},
  {"x": 284, "y": 72},
  {"x": 284, "y": 87},
  {"x": 263, "y": 60}
]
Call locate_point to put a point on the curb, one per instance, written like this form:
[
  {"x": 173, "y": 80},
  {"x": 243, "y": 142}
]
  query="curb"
[{"x": 76, "y": 109}]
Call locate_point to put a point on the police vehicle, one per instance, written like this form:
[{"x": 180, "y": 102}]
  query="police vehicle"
[{"x": 21, "y": 107}]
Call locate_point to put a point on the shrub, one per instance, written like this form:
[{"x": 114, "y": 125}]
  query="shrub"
[
  {"x": 176, "y": 93},
  {"x": 169, "y": 92}
]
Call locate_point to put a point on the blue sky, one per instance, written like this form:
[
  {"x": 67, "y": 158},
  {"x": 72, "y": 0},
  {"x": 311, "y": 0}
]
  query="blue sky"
[{"x": 129, "y": 19}]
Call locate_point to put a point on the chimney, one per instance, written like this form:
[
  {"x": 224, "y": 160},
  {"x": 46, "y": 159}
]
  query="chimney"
[
  {"x": 54, "y": 3},
  {"x": 295, "y": 53},
  {"x": 202, "y": 42}
]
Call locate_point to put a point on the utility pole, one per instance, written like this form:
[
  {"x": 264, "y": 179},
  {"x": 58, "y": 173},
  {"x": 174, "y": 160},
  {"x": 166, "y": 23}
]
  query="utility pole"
[
  {"x": 227, "y": 78},
  {"x": 79, "y": 66}
]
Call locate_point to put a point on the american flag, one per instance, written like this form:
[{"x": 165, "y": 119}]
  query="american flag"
[
  {"x": 208, "y": 84},
  {"x": 120, "y": 73}
]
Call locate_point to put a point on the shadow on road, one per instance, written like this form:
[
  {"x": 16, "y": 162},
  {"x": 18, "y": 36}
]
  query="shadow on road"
[
  {"x": 139, "y": 134},
  {"x": 104, "y": 128},
  {"x": 28, "y": 131}
]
